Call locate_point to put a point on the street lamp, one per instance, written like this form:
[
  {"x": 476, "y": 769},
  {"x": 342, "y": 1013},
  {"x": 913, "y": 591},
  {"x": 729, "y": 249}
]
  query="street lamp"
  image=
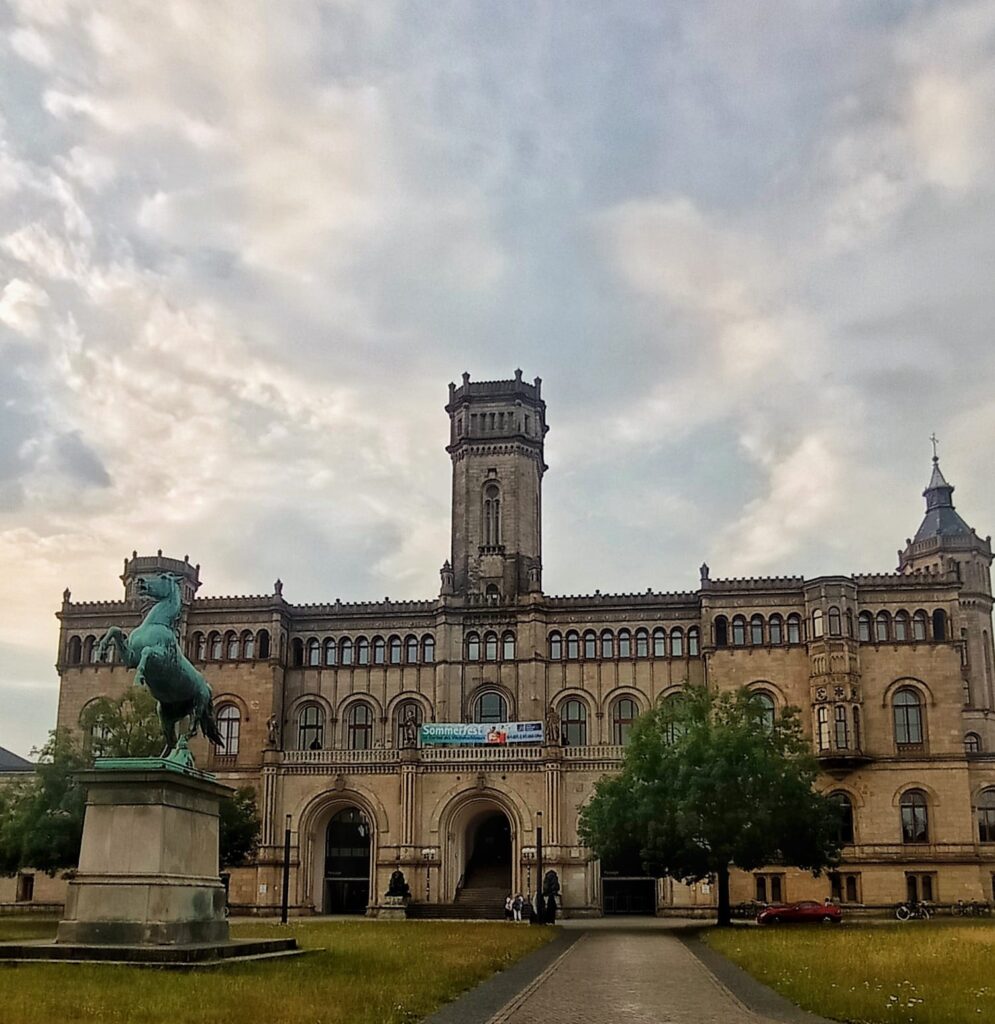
[
  {"x": 429, "y": 854},
  {"x": 529, "y": 856},
  {"x": 286, "y": 873},
  {"x": 539, "y": 904}
]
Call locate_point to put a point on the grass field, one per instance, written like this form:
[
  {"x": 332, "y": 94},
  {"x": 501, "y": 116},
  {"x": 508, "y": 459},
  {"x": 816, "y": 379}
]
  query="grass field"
[
  {"x": 936, "y": 972},
  {"x": 366, "y": 972}
]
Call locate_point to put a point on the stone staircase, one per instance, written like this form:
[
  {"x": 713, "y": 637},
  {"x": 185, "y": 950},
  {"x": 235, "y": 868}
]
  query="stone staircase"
[{"x": 481, "y": 897}]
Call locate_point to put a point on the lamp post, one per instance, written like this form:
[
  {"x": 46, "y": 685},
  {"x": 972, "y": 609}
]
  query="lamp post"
[
  {"x": 529, "y": 856},
  {"x": 539, "y": 906},
  {"x": 429, "y": 854},
  {"x": 285, "y": 908}
]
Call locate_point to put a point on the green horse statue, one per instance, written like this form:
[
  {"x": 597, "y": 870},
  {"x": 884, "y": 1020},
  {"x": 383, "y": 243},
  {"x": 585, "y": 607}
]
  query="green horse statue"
[{"x": 154, "y": 652}]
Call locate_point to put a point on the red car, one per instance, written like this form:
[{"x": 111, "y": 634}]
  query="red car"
[{"x": 805, "y": 910}]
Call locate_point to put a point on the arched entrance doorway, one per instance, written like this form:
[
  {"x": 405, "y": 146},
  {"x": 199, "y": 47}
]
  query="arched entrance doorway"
[
  {"x": 347, "y": 863},
  {"x": 488, "y": 852}
]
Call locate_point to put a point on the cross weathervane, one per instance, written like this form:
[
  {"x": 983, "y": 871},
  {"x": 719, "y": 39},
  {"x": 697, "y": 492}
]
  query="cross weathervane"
[{"x": 935, "y": 441}]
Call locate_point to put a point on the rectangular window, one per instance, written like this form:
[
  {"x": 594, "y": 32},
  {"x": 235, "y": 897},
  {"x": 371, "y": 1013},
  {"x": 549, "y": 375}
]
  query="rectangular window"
[
  {"x": 25, "y": 888},
  {"x": 835, "y": 886},
  {"x": 776, "y": 894},
  {"x": 842, "y": 728},
  {"x": 771, "y": 886},
  {"x": 852, "y": 889},
  {"x": 762, "y": 888},
  {"x": 920, "y": 886}
]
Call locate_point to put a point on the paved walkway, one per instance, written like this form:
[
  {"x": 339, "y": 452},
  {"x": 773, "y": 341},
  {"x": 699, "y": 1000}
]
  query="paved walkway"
[{"x": 644, "y": 976}]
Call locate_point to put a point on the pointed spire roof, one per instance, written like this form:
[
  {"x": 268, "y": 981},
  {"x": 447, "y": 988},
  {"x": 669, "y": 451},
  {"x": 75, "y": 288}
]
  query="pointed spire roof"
[{"x": 941, "y": 518}]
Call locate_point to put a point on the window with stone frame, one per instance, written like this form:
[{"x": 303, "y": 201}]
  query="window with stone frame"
[
  {"x": 555, "y": 647},
  {"x": 490, "y": 708},
  {"x": 986, "y": 816},
  {"x": 310, "y": 727},
  {"x": 775, "y": 626},
  {"x": 624, "y": 713},
  {"x": 229, "y": 720},
  {"x": 677, "y": 642},
  {"x": 694, "y": 642},
  {"x": 914, "y": 808},
  {"x": 573, "y": 722},
  {"x": 659, "y": 643},
  {"x": 908, "y": 716},
  {"x": 359, "y": 726}
]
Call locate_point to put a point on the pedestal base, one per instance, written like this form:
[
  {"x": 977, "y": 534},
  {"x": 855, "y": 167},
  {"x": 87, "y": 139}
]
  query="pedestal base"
[{"x": 148, "y": 870}]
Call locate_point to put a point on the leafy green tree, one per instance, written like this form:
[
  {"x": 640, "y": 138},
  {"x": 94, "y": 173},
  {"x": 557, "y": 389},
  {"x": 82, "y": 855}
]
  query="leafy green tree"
[
  {"x": 41, "y": 817},
  {"x": 240, "y": 826},
  {"x": 708, "y": 783}
]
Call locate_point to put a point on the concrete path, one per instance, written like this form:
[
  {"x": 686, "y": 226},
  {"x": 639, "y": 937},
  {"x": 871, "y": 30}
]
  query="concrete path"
[{"x": 627, "y": 977}]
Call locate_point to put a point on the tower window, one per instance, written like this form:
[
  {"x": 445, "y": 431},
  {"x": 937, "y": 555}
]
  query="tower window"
[{"x": 492, "y": 515}]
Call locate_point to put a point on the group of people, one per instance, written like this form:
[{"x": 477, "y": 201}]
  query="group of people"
[{"x": 519, "y": 908}]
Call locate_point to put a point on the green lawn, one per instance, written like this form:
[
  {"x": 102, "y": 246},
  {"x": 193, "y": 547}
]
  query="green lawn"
[
  {"x": 935, "y": 972},
  {"x": 366, "y": 972}
]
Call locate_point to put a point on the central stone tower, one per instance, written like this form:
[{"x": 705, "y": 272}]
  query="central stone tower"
[{"x": 496, "y": 443}]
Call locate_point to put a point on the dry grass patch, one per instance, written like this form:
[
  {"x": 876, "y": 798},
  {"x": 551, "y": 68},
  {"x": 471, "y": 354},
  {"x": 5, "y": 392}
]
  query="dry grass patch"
[
  {"x": 936, "y": 972},
  {"x": 366, "y": 972}
]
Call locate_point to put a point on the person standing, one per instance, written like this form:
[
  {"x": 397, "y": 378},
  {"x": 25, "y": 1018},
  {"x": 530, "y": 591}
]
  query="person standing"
[
  {"x": 517, "y": 907},
  {"x": 509, "y": 906}
]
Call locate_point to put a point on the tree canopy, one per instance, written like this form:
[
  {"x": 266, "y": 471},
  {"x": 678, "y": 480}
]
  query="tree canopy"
[
  {"x": 41, "y": 816},
  {"x": 708, "y": 781}
]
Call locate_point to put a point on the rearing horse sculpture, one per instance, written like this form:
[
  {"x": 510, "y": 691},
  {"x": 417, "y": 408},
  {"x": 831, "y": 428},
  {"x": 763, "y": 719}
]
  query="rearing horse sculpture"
[{"x": 152, "y": 649}]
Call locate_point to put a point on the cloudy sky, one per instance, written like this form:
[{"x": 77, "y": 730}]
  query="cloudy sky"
[{"x": 244, "y": 246}]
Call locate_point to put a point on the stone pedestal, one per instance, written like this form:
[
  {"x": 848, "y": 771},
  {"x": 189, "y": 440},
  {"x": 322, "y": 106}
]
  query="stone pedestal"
[
  {"x": 393, "y": 908},
  {"x": 148, "y": 868}
]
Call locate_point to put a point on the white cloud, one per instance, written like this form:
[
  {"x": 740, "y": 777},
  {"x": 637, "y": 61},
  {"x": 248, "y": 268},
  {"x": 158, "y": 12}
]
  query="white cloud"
[{"x": 20, "y": 302}]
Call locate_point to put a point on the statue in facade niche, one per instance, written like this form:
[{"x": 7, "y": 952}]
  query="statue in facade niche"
[
  {"x": 552, "y": 726},
  {"x": 272, "y": 732},
  {"x": 409, "y": 728},
  {"x": 153, "y": 650}
]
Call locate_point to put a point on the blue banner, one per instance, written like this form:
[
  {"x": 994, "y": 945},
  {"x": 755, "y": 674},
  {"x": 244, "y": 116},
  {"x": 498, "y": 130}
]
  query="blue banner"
[{"x": 490, "y": 734}]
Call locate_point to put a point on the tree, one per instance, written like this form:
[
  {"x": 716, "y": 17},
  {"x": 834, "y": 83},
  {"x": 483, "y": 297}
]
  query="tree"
[
  {"x": 240, "y": 827},
  {"x": 708, "y": 783},
  {"x": 41, "y": 817}
]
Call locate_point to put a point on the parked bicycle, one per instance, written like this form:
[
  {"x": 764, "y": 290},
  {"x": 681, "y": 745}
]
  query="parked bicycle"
[
  {"x": 913, "y": 911},
  {"x": 974, "y": 908}
]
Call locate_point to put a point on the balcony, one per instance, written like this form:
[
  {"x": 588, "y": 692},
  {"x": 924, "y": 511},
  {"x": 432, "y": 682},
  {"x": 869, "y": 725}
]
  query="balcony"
[
  {"x": 388, "y": 758},
  {"x": 840, "y": 762}
]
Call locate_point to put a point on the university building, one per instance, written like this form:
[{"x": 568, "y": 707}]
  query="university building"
[{"x": 893, "y": 672}]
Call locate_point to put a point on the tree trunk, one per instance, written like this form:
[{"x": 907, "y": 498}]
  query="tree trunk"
[{"x": 725, "y": 915}]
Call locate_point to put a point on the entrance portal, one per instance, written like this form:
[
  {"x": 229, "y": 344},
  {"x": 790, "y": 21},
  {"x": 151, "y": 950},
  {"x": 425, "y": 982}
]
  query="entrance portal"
[
  {"x": 488, "y": 847},
  {"x": 624, "y": 887},
  {"x": 347, "y": 863}
]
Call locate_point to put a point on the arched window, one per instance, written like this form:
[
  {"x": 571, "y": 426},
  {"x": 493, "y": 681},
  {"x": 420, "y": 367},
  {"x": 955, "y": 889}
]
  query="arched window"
[
  {"x": 794, "y": 629},
  {"x": 231, "y": 646},
  {"x": 492, "y": 515},
  {"x": 757, "y": 630},
  {"x": 864, "y": 626},
  {"x": 721, "y": 625},
  {"x": 90, "y": 650},
  {"x": 738, "y": 631},
  {"x": 775, "y": 627},
  {"x": 359, "y": 725},
  {"x": 200, "y": 646},
  {"x": 835, "y": 622},
  {"x": 765, "y": 702},
  {"x": 972, "y": 743},
  {"x": 311, "y": 727},
  {"x": 607, "y": 644},
  {"x": 394, "y": 650},
  {"x": 248, "y": 646},
  {"x": 216, "y": 647},
  {"x": 919, "y": 625},
  {"x": 590, "y": 646},
  {"x": 849, "y": 622},
  {"x": 297, "y": 652},
  {"x": 908, "y": 718},
  {"x": 490, "y": 646},
  {"x": 229, "y": 720},
  {"x": 901, "y": 626},
  {"x": 508, "y": 647},
  {"x": 331, "y": 651},
  {"x": 856, "y": 728},
  {"x": 428, "y": 649},
  {"x": 624, "y": 714},
  {"x": 915, "y": 816},
  {"x": 573, "y": 645},
  {"x": 882, "y": 627},
  {"x": 379, "y": 650},
  {"x": 845, "y": 807},
  {"x": 473, "y": 647},
  {"x": 262, "y": 641},
  {"x": 817, "y": 625},
  {"x": 673, "y": 728},
  {"x": 74, "y": 649},
  {"x": 642, "y": 643},
  {"x": 822, "y": 726},
  {"x": 491, "y": 707},
  {"x": 345, "y": 651},
  {"x": 573, "y": 722},
  {"x": 403, "y": 709},
  {"x": 624, "y": 644},
  {"x": 939, "y": 625},
  {"x": 411, "y": 650},
  {"x": 313, "y": 652},
  {"x": 659, "y": 643},
  {"x": 362, "y": 650},
  {"x": 694, "y": 642},
  {"x": 986, "y": 816},
  {"x": 555, "y": 647},
  {"x": 677, "y": 642}
]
